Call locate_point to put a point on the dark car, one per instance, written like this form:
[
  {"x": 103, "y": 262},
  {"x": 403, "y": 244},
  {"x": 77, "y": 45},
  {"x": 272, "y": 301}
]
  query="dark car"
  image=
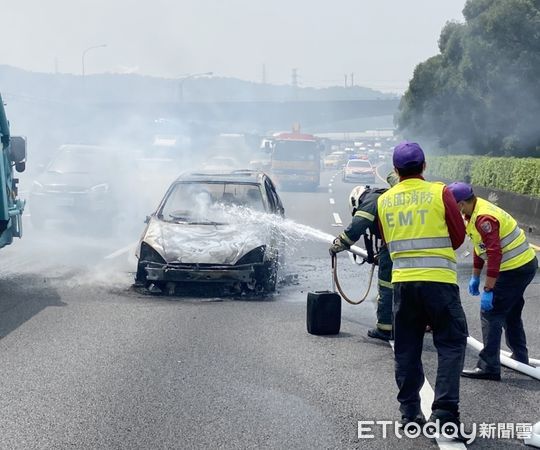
[
  {"x": 82, "y": 183},
  {"x": 204, "y": 231}
]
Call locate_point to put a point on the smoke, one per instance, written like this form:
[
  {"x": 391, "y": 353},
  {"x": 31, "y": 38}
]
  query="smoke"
[
  {"x": 144, "y": 137},
  {"x": 480, "y": 93}
]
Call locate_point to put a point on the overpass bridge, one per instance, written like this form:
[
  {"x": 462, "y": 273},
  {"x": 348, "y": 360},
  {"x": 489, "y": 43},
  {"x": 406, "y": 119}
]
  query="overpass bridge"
[{"x": 257, "y": 115}]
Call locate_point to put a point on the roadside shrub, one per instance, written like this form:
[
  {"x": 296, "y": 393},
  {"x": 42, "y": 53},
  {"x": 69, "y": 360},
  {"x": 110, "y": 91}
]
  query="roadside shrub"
[{"x": 518, "y": 175}]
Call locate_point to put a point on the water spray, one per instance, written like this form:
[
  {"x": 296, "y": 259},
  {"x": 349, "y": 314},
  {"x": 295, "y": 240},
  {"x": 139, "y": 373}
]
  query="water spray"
[{"x": 293, "y": 231}]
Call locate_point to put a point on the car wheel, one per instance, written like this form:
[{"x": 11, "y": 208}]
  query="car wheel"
[
  {"x": 267, "y": 277},
  {"x": 140, "y": 276}
]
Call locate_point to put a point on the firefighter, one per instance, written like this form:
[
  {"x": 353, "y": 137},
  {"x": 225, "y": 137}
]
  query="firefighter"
[
  {"x": 511, "y": 266},
  {"x": 422, "y": 226},
  {"x": 363, "y": 204}
]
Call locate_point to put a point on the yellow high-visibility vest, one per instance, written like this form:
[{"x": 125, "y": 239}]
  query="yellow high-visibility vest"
[
  {"x": 412, "y": 214},
  {"x": 516, "y": 251}
]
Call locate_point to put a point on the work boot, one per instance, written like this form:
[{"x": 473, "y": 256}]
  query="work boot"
[
  {"x": 480, "y": 374},
  {"x": 522, "y": 361},
  {"x": 377, "y": 333},
  {"x": 449, "y": 423},
  {"x": 406, "y": 420}
]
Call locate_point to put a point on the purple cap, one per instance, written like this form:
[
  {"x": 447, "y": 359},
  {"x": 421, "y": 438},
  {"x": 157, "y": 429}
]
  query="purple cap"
[
  {"x": 461, "y": 191},
  {"x": 407, "y": 154}
]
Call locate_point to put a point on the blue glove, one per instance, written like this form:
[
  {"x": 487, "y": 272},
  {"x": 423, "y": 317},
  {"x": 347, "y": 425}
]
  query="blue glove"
[
  {"x": 474, "y": 283},
  {"x": 486, "y": 302}
]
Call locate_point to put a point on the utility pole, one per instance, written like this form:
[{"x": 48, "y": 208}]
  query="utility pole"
[
  {"x": 294, "y": 78},
  {"x": 345, "y": 76},
  {"x": 294, "y": 83},
  {"x": 352, "y": 79}
]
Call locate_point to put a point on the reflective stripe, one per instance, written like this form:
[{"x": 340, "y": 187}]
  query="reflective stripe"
[
  {"x": 386, "y": 284},
  {"x": 427, "y": 262},
  {"x": 419, "y": 244},
  {"x": 514, "y": 234},
  {"x": 365, "y": 215},
  {"x": 384, "y": 326},
  {"x": 345, "y": 238},
  {"x": 522, "y": 248}
]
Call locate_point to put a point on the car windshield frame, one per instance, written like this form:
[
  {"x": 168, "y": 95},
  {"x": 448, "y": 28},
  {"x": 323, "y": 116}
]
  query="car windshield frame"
[{"x": 204, "y": 212}]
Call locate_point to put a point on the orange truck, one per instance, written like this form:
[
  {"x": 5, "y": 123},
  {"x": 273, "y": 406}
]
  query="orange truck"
[{"x": 295, "y": 160}]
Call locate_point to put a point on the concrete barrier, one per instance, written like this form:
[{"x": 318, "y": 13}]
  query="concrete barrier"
[{"x": 525, "y": 209}]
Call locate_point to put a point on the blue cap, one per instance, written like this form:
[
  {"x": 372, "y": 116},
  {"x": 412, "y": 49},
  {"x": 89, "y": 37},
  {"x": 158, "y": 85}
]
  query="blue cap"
[
  {"x": 408, "y": 154},
  {"x": 461, "y": 191}
]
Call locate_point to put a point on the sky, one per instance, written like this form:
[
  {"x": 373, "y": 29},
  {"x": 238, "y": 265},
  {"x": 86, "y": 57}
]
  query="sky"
[{"x": 380, "y": 41}]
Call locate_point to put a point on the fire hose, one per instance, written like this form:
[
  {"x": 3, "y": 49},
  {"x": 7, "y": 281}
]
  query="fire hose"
[
  {"x": 505, "y": 356},
  {"x": 358, "y": 252}
]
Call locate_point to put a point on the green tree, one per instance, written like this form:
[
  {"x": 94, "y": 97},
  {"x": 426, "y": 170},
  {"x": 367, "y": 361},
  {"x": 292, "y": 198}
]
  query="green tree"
[{"x": 482, "y": 91}]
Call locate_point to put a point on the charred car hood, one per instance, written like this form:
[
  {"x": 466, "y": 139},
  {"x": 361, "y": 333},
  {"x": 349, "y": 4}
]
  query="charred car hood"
[{"x": 204, "y": 244}]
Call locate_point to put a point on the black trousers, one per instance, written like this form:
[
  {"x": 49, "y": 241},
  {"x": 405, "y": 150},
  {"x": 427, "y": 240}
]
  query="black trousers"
[
  {"x": 417, "y": 304},
  {"x": 508, "y": 303},
  {"x": 384, "y": 301}
]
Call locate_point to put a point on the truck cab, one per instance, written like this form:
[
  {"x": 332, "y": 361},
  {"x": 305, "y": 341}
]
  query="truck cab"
[
  {"x": 295, "y": 160},
  {"x": 13, "y": 159}
]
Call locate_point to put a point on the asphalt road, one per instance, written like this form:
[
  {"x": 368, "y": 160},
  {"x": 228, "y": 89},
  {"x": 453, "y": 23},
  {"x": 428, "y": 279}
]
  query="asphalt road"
[{"x": 89, "y": 362}]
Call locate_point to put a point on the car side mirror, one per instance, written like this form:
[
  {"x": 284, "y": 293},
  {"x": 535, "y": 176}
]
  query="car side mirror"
[
  {"x": 17, "y": 149},
  {"x": 147, "y": 219}
]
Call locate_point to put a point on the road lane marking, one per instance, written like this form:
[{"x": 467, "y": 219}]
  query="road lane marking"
[
  {"x": 332, "y": 201},
  {"x": 330, "y": 191},
  {"x": 337, "y": 219},
  {"x": 427, "y": 396},
  {"x": 121, "y": 251}
]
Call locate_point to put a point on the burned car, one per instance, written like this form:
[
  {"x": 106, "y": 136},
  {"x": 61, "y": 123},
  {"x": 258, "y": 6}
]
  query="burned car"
[{"x": 213, "y": 228}]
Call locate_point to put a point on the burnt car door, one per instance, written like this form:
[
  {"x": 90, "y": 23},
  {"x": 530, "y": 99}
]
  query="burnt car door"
[
  {"x": 277, "y": 244},
  {"x": 273, "y": 198}
]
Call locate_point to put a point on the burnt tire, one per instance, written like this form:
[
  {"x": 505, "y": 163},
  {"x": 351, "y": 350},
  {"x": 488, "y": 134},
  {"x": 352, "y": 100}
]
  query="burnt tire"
[
  {"x": 140, "y": 275},
  {"x": 267, "y": 277}
]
